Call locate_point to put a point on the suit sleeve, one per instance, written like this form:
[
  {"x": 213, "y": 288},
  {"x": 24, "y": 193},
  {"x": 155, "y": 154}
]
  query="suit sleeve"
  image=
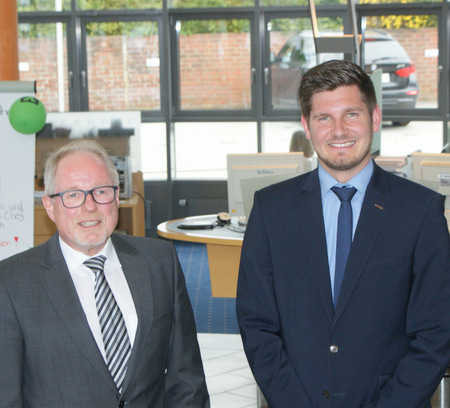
[
  {"x": 185, "y": 382},
  {"x": 259, "y": 322},
  {"x": 427, "y": 321},
  {"x": 11, "y": 353}
]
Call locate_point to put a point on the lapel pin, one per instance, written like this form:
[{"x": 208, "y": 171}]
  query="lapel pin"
[{"x": 379, "y": 206}]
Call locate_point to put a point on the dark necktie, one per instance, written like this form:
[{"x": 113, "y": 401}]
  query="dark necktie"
[
  {"x": 114, "y": 332},
  {"x": 344, "y": 235}
]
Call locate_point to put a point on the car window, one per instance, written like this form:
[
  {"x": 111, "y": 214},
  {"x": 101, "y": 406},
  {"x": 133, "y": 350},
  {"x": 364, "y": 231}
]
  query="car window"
[
  {"x": 285, "y": 53},
  {"x": 376, "y": 50},
  {"x": 300, "y": 51},
  {"x": 308, "y": 47}
]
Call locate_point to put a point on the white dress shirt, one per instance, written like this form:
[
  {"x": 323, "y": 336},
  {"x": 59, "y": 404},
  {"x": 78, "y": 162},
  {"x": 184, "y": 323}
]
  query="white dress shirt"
[{"x": 84, "y": 280}]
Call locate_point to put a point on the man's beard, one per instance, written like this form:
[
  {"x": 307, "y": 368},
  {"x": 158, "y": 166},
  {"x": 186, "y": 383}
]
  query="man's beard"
[
  {"x": 89, "y": 243},
  {"x": 347, "y": 165}
]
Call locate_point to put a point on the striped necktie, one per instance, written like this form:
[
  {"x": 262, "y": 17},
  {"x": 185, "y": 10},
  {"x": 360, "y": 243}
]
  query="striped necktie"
[{"x": 114, "y": 332}]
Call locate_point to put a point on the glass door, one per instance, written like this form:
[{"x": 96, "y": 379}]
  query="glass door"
[
  {"x": 120, "y": 68},
  {"x": 289, "y": 53},
  {"x": 213, "y": 72},
  {"x": 43, "y": 58}
]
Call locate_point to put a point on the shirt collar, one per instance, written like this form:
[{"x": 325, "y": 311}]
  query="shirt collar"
[
  {"x": 360, "y": 181},
  {"x": 76, "y": 258}
]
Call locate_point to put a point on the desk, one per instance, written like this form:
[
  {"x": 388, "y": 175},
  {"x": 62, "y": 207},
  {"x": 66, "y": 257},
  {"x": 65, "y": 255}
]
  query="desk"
[{"x": 223, "y": 247}]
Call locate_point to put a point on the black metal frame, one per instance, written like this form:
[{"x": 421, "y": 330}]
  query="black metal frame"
[{"x": 258, "y": 16}]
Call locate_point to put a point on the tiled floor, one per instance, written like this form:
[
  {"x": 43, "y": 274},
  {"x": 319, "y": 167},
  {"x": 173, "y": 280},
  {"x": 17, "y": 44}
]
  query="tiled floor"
[
  {"x": 231, "y": 383},
  {"x": 228, "y": 376}
]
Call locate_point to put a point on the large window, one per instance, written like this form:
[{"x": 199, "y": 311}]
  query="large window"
[
  {"x": 210, "y": 3},
  {"x": 201, "y": 148},
  {"x": 406, "y": 48},
  {"x": 43, "y": 58},
  {"x": 154, "y": 151},
  {"x": 43, "y": 5},
  {"x": 123, "y": 65},
  {"x": 214, "y": 63},
  {"x": 117, "y": 4},
  {"x": 292, "y": 54},
  {"x": 277, "y": 136}
]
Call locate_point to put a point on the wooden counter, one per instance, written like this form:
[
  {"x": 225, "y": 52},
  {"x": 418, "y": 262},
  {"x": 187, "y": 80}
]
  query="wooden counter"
[{"x": 223, "y": 247}]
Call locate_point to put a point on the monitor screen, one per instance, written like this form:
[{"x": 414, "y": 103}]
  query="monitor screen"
[
  {"x": 432, "y": 170},
  {"x": 250, "y": 172}
]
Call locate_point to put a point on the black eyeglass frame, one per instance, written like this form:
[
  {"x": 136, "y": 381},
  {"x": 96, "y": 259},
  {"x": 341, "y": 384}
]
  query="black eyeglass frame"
[{"x": 86, "y": 192}]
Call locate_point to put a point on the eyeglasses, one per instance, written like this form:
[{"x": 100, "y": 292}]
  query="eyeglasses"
[{"x": 76, "y": 198}]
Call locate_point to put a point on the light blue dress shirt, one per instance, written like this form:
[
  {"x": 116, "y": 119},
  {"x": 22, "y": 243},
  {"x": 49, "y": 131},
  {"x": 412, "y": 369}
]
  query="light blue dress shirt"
[{"x": 331, "y": 205}]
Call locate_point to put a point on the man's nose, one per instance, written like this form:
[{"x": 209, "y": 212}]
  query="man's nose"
[
  {"x": 90, "y": 203},
  {"x": 339, "y": 127}
]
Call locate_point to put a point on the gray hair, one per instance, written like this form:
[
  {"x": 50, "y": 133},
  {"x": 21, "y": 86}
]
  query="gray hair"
[{"x": 78, "y": 145}]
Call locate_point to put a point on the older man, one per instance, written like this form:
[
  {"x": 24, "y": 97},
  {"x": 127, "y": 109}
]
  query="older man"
[{"x": 90, "y": 318}]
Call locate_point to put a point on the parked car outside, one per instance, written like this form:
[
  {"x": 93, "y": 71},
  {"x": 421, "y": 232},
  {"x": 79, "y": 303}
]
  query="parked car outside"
[{"x": 380, "y": 50}]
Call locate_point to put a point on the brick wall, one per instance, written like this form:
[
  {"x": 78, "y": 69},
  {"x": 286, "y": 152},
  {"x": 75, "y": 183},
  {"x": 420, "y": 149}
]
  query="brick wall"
[
  {"x": 40, "y": 54},
  {"x": 120, "y": 76},
  {"x": 416, "y": 43},
  {"x": 215, "y": 71}
]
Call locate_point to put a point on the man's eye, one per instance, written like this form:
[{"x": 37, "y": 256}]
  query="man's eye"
[{"x": 73, "y": 194}]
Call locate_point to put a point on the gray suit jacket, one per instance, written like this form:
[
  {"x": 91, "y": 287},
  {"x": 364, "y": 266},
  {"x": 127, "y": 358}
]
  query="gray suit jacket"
[{"x": 49, "y": 358}]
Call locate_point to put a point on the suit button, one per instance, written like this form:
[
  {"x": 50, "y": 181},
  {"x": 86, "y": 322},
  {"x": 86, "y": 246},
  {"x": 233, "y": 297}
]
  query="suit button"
[
  {"x": 326, "y": 394},
  {"x": 121, "y": 404},
  {"x": 334, "y": 349}
]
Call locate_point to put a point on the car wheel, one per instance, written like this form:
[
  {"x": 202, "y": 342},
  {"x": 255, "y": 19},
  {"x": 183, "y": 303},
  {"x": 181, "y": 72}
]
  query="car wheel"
[{"x": 400, "y": 123}]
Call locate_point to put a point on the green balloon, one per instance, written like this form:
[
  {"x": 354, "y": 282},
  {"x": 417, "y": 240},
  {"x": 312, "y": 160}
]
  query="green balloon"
[{"x": 27, "y": 115}]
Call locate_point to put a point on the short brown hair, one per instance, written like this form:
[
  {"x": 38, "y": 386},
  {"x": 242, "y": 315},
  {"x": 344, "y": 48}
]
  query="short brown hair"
[{"x": 331, "y": 75}]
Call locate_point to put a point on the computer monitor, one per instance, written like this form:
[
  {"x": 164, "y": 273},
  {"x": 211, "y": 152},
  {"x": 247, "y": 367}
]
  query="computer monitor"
[
  {"x": 432, "y": 170},
  {"x": 250, "y": 172}
]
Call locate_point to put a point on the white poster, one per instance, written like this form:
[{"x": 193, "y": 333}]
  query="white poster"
[{"x": 17, "y": 156}]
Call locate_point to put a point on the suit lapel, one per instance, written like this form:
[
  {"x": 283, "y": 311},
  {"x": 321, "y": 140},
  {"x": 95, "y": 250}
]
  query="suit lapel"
[
  {"x": 309, "y": 208},
  {"x": 56, "y": 280},
  {"x": 375, "y": 207},
  {"x": 136, "y": 269}
]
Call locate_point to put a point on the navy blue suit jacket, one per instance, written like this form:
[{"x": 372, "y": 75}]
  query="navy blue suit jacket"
[{"x": 387, "y": 344}]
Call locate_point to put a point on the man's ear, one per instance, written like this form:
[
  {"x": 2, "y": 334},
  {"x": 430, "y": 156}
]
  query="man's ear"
[
  {"x": 305, "y": 127},
  {"x": 49, "y": 207},
  {"x": 376, "y": 118}
]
